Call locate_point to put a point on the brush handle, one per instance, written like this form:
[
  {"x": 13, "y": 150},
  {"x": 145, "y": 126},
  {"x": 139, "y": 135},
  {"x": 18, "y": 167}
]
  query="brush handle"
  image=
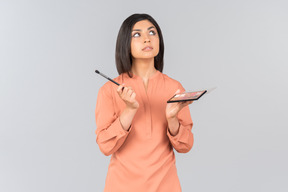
[{"x": 96, "y": 71}]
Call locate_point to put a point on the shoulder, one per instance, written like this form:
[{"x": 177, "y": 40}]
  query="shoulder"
[
  {"x": 168, "y": 84},
  {"x": 109, "y": 87},
  {"x": 170, "y": 81}
]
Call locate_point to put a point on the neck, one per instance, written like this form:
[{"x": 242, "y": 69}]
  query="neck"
[{"x": 143, "y": 68}]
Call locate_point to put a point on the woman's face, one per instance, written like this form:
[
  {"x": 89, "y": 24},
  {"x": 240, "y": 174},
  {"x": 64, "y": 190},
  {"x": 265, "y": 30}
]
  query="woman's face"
[{"x": 144, "y": 41}]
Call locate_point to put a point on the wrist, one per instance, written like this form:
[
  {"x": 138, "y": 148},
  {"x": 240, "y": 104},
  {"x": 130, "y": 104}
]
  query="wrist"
[
  {"x": 126, "y": 118},
  {"x": 131, "y": 108},
  {"x": 172, "y": 118},
  {"x": 173, "y": 125}
]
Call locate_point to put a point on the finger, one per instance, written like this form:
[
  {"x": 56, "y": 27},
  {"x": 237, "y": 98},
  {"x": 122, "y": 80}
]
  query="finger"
[
  {"x": 126, "y": 90},
  {"x": 120, "y": 88},
  {"x": 133, "y": 96},
  {"x": 131, "y": 91},
  {"x": 185, "y": 103},
  {"x": 188, "y": 102},
  {"x": 177, "y": 91}
]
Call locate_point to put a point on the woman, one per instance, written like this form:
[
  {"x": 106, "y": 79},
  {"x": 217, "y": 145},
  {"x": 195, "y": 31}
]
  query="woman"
[{"x": 134, "y": 122}]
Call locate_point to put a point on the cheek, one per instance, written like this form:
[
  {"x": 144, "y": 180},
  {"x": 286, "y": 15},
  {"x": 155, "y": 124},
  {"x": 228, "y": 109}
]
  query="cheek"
[
  {"x": 135, "y": 47},
  {"x": 155, "y": 40},
  {"x": 133, "y": 51},
  {"x": 157, "y": 45}
]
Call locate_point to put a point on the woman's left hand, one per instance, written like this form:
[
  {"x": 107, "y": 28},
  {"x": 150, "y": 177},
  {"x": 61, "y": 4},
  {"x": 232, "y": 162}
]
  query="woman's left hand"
[{"x": 172, "y": 109}]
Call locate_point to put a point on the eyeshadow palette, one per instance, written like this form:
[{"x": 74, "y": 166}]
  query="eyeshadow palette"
[{"x": 186, "y": 96}]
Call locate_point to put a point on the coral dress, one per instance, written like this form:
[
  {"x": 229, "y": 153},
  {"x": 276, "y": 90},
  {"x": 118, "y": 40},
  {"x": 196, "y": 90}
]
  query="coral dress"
[{"x": 142, "y": 158}]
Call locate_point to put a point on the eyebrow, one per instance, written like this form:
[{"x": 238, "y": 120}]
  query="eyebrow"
[{"x": 141, "y": 30}]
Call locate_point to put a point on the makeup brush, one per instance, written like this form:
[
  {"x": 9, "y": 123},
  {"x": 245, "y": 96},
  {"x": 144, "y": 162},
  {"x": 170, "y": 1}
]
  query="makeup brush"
[{"x": 96, "y": 71}]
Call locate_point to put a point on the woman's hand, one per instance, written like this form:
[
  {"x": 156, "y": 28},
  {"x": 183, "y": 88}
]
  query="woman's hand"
[
  {"x": 172, "y": 109},
  {"x": 128, "y": 95}
]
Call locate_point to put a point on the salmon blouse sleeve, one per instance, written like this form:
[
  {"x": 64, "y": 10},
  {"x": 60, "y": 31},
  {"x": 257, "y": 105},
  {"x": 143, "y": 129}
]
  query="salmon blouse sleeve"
[
  {"x": 183, "y": 141},
  {"x": 109, "y": 132}
]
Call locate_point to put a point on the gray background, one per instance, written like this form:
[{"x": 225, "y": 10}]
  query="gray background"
[{"x": 50, "y": 49}]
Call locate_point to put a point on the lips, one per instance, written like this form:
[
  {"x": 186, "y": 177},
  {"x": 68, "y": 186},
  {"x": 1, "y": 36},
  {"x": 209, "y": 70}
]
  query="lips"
[{"x": 147, "y": 48}]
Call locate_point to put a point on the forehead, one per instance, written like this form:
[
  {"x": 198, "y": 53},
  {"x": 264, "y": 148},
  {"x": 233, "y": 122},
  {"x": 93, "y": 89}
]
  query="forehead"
[{"x": 144, "y": 24}]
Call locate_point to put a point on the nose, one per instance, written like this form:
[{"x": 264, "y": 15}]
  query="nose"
[{"x": 146, "y": 39}]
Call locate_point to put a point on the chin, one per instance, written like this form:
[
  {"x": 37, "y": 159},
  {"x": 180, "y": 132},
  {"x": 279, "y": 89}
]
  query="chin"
[{"x": 149, "y": 55}]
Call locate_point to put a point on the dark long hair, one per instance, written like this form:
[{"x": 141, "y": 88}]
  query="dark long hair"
[{"x": 123, "y": 55}]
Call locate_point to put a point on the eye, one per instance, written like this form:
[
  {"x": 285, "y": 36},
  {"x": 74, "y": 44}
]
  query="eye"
[
  {"x": 136, "y": 35},
  {"x": 152, "y": 32}
]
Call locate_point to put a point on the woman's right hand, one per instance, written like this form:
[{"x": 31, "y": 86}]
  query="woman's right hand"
[{"x": 128, "y": 95}]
